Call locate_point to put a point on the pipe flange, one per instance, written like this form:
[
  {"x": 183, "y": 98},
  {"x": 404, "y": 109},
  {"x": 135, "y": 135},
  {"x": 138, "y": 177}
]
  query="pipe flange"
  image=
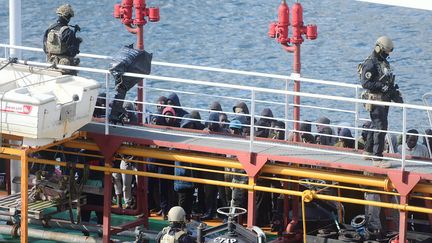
[
  {"x": 358, "y": 221},
  {"x": 388, "y": 186},
  {"x": 308, "y": 195},
  {"x": 15, "y": 230}
]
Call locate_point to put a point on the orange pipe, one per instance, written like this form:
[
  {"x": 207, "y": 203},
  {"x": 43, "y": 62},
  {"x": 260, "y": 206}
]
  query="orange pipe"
[{"x": 24, "y": 196}]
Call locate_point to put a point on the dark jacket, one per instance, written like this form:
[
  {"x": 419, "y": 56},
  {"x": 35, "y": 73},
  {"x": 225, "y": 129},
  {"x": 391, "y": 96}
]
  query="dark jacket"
[
  {"x": 264, "y": 122},
  {"x": 176, "y": 102}
]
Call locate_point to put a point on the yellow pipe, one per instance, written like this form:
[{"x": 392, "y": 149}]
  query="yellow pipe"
[
  {"x": 230, "y": 163},
  {"x": 384, "y": 183},
  {"x": 24, "y": 196},
  {"x": 12, "y": 151},
  {"x": 333, "y": 186},
  {"x": 242, "y": 186}
]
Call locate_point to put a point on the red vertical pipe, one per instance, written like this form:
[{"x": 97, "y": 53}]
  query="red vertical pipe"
[
  {"x": 403, "y": 220},
  {"x": 140, "y": 46},
  {"x": 296, "y": 69},
  {"x": 251, "y": 210},
  {"x": 107, "y": 204}
]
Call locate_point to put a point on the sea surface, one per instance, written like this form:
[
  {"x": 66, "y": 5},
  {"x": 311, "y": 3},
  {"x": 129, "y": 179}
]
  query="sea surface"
[{"x": 233, "y": 35}]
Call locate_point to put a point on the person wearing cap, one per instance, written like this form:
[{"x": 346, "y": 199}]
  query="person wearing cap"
[
  {"x": 378, "y": 80},
  {"x": 169, "y": 115},
  {"x": 60, "y": 43}
]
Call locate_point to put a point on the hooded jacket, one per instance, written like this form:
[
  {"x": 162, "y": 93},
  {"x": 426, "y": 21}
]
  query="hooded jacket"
[
  {"x": 176, "y": 102},
  {"x": 264, "y": 122}
]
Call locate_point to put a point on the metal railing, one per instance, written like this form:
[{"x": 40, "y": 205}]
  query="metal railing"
[{"x": 249, "y": 94}]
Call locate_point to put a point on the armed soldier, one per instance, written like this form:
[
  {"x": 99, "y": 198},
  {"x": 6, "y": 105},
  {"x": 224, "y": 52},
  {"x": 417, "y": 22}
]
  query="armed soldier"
[
  {"x": 60, "y": 43},
  {"x": 378, "y": 80},
  {"x": 176, "y": 232}
]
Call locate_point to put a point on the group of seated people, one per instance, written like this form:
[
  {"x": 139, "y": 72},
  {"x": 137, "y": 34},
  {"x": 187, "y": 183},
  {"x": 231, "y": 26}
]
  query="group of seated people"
[{"x": 163, "y": 194}]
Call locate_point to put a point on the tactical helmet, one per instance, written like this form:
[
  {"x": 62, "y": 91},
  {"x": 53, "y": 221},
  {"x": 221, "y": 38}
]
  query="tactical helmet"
[
  {"x": 384, "y": 44},
  {"x": 65, "y": 11},
  {"x": 177, "y": 214}
]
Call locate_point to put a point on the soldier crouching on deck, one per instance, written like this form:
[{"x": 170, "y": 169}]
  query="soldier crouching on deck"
[
  {"x": 60, "y": 43},
  {"x": 378, "y": 80}
]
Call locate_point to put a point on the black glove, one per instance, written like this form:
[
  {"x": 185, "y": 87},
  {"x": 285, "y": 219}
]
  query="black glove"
[{"x": 394, "y": 94}]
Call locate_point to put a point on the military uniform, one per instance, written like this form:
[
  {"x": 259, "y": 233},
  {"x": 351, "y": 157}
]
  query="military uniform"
[
  {"x": 174, "y": 235},
  {"x": 60, "y": 43},
  {"x": 378, "y": 80}
]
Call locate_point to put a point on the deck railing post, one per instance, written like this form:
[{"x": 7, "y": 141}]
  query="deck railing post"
[
  {"x": 403, "y": 138},
  {"x": 356, "y": 119},
  {"x": 286, "y": 109},
  {"x": 252, "y": 119},
  {"x": 106, "y": 103},
  {"x": 144, "y": 110}
]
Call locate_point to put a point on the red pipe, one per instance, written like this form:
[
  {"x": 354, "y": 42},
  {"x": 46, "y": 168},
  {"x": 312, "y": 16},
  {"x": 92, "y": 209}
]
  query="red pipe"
[
  {"x": 296, "y": 69},
  {"x": 107, "y": 204}
]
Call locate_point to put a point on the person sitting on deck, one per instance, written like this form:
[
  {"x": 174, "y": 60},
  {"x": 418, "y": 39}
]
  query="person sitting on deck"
[
  {"x": 278, "y": 130},
  {"x": 242, "y": 112},
  {"x": 169, "y": 116},
  {"x": 263, "y": 122},
  {"x": 305, "y": 133},
  {"x": 131, "y": 115},
  {"x": 173, "y": 100},
  {"x": 99, "y": 113},
  {"x": 156, "y": 119},
  {"x": 215, "y": 106},
  {"x": 412, "y": 147},
  {"x": 346, "y": 139},
  {"x": 323, "y": 129}
]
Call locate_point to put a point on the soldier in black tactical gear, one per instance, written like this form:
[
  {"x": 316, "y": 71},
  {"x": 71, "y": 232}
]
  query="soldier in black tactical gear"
[
  {"x": 378, "y": 81},
  {"x": 60, "y": 43}
]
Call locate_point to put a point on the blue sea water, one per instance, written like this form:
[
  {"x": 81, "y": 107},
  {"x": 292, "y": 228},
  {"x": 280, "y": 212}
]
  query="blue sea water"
[{"x": 233, "y": 34}]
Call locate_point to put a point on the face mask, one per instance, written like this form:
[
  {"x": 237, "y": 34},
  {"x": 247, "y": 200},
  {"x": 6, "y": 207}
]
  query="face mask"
[{"x": 384, "y": 55}]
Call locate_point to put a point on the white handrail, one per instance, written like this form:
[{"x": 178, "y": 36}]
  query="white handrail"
[{"x": 253, "y": 92}]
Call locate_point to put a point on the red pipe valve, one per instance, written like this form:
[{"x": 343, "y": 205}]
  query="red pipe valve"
[
  {"x": 311, "y": 32},
  {"x": 279, "y": 29},
  {"x": 124, "y": 12},
  {"x": 153, "y": 14}
]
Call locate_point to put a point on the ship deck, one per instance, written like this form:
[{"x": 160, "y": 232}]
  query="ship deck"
[{"x": 300, "y": 153}]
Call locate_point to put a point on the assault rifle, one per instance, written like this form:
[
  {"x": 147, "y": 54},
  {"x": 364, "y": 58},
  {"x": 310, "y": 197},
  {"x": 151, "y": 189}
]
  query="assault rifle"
[{"x": 392, "y": 91}]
